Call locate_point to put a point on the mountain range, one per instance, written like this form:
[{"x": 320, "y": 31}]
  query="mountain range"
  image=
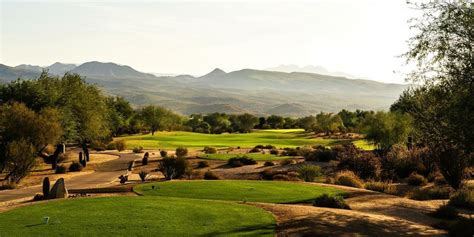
[{"x": 260, "y": 92}]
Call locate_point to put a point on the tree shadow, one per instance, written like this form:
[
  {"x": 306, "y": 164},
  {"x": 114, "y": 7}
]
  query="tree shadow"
[{"x": 253, "y": 230}]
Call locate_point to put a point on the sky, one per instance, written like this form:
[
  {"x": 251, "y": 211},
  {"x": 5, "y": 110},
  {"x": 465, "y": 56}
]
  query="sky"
[{"x": 363, "y": 38}]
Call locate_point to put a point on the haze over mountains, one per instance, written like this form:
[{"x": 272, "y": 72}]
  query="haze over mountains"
[{"x": 247, "y": 90}]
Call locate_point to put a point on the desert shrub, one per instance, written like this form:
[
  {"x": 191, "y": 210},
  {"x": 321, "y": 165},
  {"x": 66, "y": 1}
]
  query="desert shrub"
[
  {"x": 61, "y": 169},
  {"x": 143, "y": 174},
  {"x": 137, "y": 149},
  {"x": 259, "y": 147},
  {"x": 326, "y": 200},
  {"x": 240, "y": 161},
  {"x": 181, "y": 151},
  {"x": 416, "y": 179},
  {"x": 255, "y": 150},
  {"x": 308, "y": 173},
  {"x": 453, "y": 164},
  {"x": 446, "y": 211},
  {"x": 5, "y": 186},
  {"x": 111, "y": 146},
  {"x": 400, "y": 162},
  {"x": 75, "y": 166},
  {"x": 348, "y": 178},
  {"x": 46, "y": 187},
  {"x": 280, "y": 175},
  {"x": 39, "y": 197},
  {"x": 98, "y": 146},
  {"x": 202, "y": 164},
  {"x": 274, "y": 152},
  {"x": 163, "y": 153},
  {"x": 430, "y": 193},
  {"x": 383, "y": 187},
  {"x": 320, "y": 153},
  {"x": 209, "y": 175},
  {"x": 268, "y": 163},
  {"x": 287, "y": 162},
  {"x": 290, "y": 152},
  {"x": 172, "y": 167},
  {"x": 145, "y": 158},
  {"x": 120, "y": 145},
  {"x": 364, "y": 164},
  {"x": 209, "y": 150},
  {"x": 463, "y": 198},
  {"x": 269, "y": 147}
]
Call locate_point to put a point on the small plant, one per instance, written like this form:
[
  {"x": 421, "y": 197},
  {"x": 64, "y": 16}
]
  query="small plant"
[
  {"x": 120, "y": 145},
  {"x": 39, "y": 197},
  {"x": 348, "y": 178},
  {"x": 416, "y": 179},
  {"x": 202, "y": 164},
  {"x": 46, "y": 187},
  {"x": 209, "y": 175},
  {"x": 137, "y": 149},
  {"x": 269, "y": 146},
  {"x": 83, "y": 162},
  {"x": 446, "y": 211},
  {"x": 287, "y": 162},
  {"x": 111, "y": 146},
  {"x": 145, "y": 159},
  {"x": 430, "y": 193},
  {"x": 172, "y": 167},
  {"x": 240, "y": 161},
  {"x": 308, "y": 173},
  {"x": 268, "y": 163},
  {"x": 234, "y": 162},
  {"x": 181, "y": 151},
  {"x": 255, "y": 150},
  {"x": 61, "y": 169},
  {"x": 163, "y": 153},
  {"x": 274, "y": 152},
  {"x": 98, "y": 146},
  {"x": 326, "y": 200},
  {"x": 75, "y": 166},
  {"x": 463, "y": 198},
  {"x": 6, "y": 186},
  {"x": 143, "y": 174},
  {"x": 209, "y": 150},
  {"x": 383, "y": 187}
]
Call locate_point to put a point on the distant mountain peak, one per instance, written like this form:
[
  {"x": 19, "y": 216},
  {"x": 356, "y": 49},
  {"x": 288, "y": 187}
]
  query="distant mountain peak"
[
  {"x": 215, "y": 72},
  {"x": 309, "y": 69}
]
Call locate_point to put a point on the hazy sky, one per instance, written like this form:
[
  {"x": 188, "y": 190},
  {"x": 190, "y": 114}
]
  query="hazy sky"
[{"x": 362, "y": 38}]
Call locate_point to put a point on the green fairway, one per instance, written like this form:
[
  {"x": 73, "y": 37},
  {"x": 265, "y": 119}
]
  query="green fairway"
[
  {"x": 137, "y": 216},
  {"x": 255, "y": 156},
  {"x": 280, "y": 138},
  {"x": 238, "y": 190}
]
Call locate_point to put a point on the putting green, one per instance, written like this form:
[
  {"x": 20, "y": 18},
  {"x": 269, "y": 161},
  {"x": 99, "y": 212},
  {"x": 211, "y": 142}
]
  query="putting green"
[
  {"x": 137, "y": 216},
  {"x": 238, "y": 190}
]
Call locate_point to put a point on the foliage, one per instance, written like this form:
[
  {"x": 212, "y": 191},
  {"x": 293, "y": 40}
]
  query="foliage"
[
  {"x": 308, "y": 173},
  {"x": 202, "y": 164},
  {"x": 430, "y": 193},
  {"x": 335, "y": 201},
  {"x": 268, "y": 163},
  {"x": 383, "y": 187},
  {"x": 143, "y": 174},
  {"x": 320, "y": 153},
  {"x": 274, "y": 152},
  {"x": 61, "y": 169},
  {"x": 287, "y": 162},
  {"x": 5, "y": 186},
  {"x": 172, "y": 167},
  {"x": 163, "y": 153},
  {"x": 241, "y": 161},
  {"x": 348, "y": 178},
  {"x": 209, "y": 150},
  {"x": 463, "y": 198},
  {"x": 145, "y": 158},
  {"x": 138, "y": 149},
  {"x": 416, "y": 179},
  {"x": 364, "y": 164},
  {"x": 181, "y": 151},
  {"x": 453, "y": 163},
  {"x": 75, "y": 166},
  {"x": 158, "y": 118},
  {"x": 120, "y": 145},
  {"x": 386, "y": 129},
  {"x": 209, "y": 175},
  {"x": 400, "y": 162}
]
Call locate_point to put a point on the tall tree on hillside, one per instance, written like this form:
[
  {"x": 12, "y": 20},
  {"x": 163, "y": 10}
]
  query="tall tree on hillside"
[{"x": 442, "y": 104}]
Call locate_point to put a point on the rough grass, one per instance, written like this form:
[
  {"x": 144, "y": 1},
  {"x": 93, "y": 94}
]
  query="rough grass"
[
  {"x": 280, "y": 138},
  {"x": 137, "y": 216},
  {"x": 238, "y": 190},
  {"x": 255, "y": 156}
]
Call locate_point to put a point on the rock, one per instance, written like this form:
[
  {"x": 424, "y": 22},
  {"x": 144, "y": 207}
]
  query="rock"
[{"x": 59, "y": 190}]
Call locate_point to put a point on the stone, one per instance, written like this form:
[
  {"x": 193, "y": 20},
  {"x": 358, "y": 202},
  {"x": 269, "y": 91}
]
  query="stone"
[{"x": 59, "y": 190}]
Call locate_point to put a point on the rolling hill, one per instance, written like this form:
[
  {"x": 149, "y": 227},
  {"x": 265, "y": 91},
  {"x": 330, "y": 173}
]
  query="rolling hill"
[{"x": 248, "y": 90}]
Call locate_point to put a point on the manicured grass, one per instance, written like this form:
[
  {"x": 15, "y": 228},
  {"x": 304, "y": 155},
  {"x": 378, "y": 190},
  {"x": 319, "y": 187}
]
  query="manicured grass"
[
  {"x": 137, "y": 216},
  {"x": 255, "y": 156},
  {"x": 238, "y": 190},
  {"x": 280, "y": 138}
]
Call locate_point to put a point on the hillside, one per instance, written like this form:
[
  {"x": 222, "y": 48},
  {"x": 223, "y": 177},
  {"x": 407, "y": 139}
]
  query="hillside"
[{"x": 247, "y": 90}]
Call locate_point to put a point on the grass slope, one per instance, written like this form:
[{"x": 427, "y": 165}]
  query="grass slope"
[
  {"x": 255, "y": 156},
  {"x": 279, "y": 138},
  {"x": 252, "y": 191},
  {"x": 137, "y": 216}
]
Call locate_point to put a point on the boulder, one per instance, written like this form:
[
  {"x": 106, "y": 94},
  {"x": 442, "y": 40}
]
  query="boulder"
[{"x": 59, "y": 190}]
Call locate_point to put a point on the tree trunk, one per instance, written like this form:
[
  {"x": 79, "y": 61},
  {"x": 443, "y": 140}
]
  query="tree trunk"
[{"x": 86, "y": 151}]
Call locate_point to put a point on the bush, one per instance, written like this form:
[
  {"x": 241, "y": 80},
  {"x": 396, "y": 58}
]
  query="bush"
[
  {"x": 6, "y": 186},
  {"x": 98, "y": 146},
  {"x": 326, "y": 200},
  {"x": 287, "y": 162},
  {"x": 145, "y": 158},
  {"x": 416, "y": 179},
  {"x": 290, "y": 152},
  {"x": 269, "y": 147},
  {"x": 209, "y": 150},
  {"x": 120, "y": 145},
  {"x": 268, "y": 163},
  {"x": 60, "y": 169},
  {"x": 308, "y": 173},
  {"x": 255, "y": 150},
  {"x": 39, "y": 197},
  {"x": 181, "y": 151},
  {"x": 241, "y": 161},
  {"x": 446, "y": 212},
  {"x": 209, "y": 175},
  {"x": 143, "y": 174},
  {"x": 463, "y": 198},
  {"x": 383, "y": 187},
  {"x": 364, "y": 164},
  {"x": 400, "y": 162},
  {"x": 163, "y": 153},
  {"x": 75, "y": 166},
  {"x": 202, "y": 164},
  {"x": 46, "y": 187},
  {"x": 111, "y": 146},
  {"x": 348, "y": 178},
  {"x": 430, "y": 193},
  {"x": 172, "y": 167},
  {"x": 281, "y": 175},
  {"x": 320, "y": 153},
  {"x": 137, "y": 149},
  {"x": 274, "y": 152}
]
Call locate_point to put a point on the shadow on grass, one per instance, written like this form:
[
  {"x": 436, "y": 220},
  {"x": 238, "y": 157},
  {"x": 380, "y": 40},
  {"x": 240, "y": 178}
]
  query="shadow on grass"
[{"x": 254, "y": 230}]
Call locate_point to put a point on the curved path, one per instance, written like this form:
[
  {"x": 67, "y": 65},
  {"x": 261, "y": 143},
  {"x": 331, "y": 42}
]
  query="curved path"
[{"x": 104, "y": 174}]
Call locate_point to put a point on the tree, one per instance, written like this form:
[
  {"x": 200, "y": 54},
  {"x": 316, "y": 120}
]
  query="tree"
[
  {"x": 442, "y": 103},
  {"x": 120, "y": 115},
  {"x": 385, "y": 129},
  {"x": 275, "y": 121},
  {"x": 219, "y": 122},
  {"x": 328, "y": 123},
  {"x": 307, "y": 123},
  {"x": 246, "y": 122},
  {"x": 156, "y": 117}
]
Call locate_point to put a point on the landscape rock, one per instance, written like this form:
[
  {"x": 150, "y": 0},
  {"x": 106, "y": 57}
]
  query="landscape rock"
[{"x": 59, "y": 190}]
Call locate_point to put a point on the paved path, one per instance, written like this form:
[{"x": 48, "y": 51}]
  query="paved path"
[{"x": 104, "y": 174}]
